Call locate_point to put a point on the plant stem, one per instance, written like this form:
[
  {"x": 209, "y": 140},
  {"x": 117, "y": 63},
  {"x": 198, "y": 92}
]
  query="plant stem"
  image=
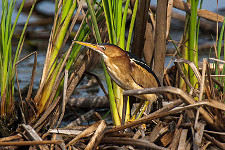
[{"x": 193, "y": 51}]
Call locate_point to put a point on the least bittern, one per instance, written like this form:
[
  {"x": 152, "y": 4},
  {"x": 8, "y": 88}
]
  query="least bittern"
[{"x": 126, "y": 70}]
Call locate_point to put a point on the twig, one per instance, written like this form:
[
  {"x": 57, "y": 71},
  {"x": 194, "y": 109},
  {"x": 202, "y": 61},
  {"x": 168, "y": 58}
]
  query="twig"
[
  {"x": 217, "y": 82},
  {"x": 21, "y": 143},
  {"x": 151, "y": 117},
  {"x": 183, "y": 75},
  {"x": 196, "y": 117},
  {"x": 211, "y": 94},
  {"x": 47, "y": 112},
  {"x": 64, "y": 98},
  {"x": 97, "y": 134},
  {"x": 9, "y": 138},
  {"x": 160, "y": 39},
  {"x": 204, "y": 147},
  {"x": 32, "y": 77},
  {"x": 158, "y": 131},
  {"x": 65, "y": 131},
  {"x": 185, "y": 97},
  {"x": 201, "y": 12},
  {"x": 192, "y": 65},
  {"x": 177, "y": 132},
  {"x": 216, "y": 142},
  {"x": 169, "y": 16},
  {"x": 214, "y": 132},
  {"x": 203, "y": 79},
  {"x": 130, "y": 141},
  {"x": 86, "y": 132},
  {"x": 219, "y": 60},
  {"x": 31, "y": 80},
  {"x": 219, "y": 75}
]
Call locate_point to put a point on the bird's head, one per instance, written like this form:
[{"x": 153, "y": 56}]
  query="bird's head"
[{"x": 105, "y": 50}]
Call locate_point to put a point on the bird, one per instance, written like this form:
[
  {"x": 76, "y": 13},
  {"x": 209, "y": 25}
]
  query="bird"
[{"x": 125, "y": 69}]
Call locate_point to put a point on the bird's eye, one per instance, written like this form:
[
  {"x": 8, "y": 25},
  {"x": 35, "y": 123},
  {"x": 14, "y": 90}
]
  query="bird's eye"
[{"x": 103, "y": 47}]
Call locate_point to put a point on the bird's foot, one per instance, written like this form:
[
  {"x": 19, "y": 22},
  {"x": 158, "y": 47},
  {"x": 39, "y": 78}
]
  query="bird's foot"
[{"x": 133, "y": 118}]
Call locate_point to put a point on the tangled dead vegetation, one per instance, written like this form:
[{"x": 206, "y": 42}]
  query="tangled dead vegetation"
[{"x": 182, "y": 123}]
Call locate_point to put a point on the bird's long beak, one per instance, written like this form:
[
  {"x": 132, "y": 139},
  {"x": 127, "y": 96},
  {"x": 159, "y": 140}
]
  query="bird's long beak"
[{"x": 89, "y": 45}]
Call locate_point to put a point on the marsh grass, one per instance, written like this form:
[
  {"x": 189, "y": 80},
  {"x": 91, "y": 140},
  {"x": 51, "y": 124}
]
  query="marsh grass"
[
  {"x": 104, "y": 21},
  {"x": 7, "y": 60}
]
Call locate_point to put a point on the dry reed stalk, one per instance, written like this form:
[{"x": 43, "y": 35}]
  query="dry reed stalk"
[
  {"x": 97, "y": 134},
  {"x": 160, "y": 113},
  {"x": 201, "y": 12},
  {"x": 160, "y": 39},
  {"x": 202, "y": 84},
  {"x": 24, "y": 143},
  {"x": 169, "y": 16},
  {"x": 85, "y": 133},
  {"x": 138, "y": 143},
  {"x": 185, "y": 97}
]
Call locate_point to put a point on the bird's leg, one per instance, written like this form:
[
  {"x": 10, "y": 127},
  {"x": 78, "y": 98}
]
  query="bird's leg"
[
  {"x": 151, "y": 98},
  {"x": 137, "y": 110},
  {"x": 143, "y": 109}
]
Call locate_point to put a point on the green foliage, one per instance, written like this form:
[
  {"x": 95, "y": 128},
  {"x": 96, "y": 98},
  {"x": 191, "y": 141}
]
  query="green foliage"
[
  {"x": 51, "y": 68},
  {"x": 219, "y": 49},
  {"x": 132, "y": 25},
  {"x": 108, "y": 79},
  {"x": 7, "y": 62},
  {"x": 64, "y": 23},
  {"x": 116, "y": 23}
]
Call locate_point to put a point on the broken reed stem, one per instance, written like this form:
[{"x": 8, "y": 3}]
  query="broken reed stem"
[
  {"x": 219, "y": 75},
  {"x": 96, "y": 135},
  {"x": 213, "y": 140},
  {"x": 183, "y": 75},
  {"x": 219, "y": 60},
  {"x": 85, "y": 133},
  {"x": 214, "y": 132},
  {"x": 154, "y": 116},
  {"x": 192, "y": 65},
  {"x": 64, "y": 98},
  {"x": 47, "y": 112},
  {"x": 185, "y": 97},
  {"x": 160, "y": 113},
  {"x": 13, "y": 137},
  {"x": 203, "y": 13},
  {"x": 177, "y": 132},
  {"x": 138, "y": 143},
  {"x": 169, "y": 16},
  {"x": 21, "y": 143},
  {"x": 203, "y": 79}
]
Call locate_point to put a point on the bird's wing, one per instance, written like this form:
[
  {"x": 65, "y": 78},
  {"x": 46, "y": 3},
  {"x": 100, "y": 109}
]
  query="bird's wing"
[{"x": 142, "y": 74}]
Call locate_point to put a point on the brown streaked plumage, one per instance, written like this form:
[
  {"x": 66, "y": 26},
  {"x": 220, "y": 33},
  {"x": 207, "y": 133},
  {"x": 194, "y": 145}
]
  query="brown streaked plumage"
[{"x": 125, "y": 69}]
